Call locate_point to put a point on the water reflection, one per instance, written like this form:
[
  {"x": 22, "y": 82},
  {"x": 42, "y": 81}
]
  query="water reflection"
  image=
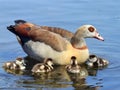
[
  {"x": 15, "y": 72},
  {"x": 59, "y": 78}
]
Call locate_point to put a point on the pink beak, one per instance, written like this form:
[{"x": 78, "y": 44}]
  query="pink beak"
[{"x": 98, "y": 36}]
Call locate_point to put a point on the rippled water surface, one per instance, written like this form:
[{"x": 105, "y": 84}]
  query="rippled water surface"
[{"x": 68, "y": 14}]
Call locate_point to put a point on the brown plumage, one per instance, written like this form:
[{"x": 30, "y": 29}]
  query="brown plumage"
[
  {"x": 63, "y": 32},
  {"x": 43, "y": 35}
]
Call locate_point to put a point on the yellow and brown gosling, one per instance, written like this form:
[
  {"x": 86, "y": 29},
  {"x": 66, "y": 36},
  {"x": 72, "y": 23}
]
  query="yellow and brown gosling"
[
  {"x": 95, "y": 61},
  {"x": 18, "y": 64},
  {"x": 73, "y": 67},
  {"x": 43, "y": 67}
]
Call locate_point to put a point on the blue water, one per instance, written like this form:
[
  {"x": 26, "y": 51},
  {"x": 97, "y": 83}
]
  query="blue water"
[{"x": 68, "y": 14}]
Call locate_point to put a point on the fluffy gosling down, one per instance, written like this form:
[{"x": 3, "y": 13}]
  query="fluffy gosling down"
[
  {"x": 73, "y": 67},
  {"x": 43, "y": 67},
  {"x": 95, "y": 61},
  {"x": 18, "y": 64}
]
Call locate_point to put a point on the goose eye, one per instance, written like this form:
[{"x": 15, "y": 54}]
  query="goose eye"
[{"x": 91, "y": 29}]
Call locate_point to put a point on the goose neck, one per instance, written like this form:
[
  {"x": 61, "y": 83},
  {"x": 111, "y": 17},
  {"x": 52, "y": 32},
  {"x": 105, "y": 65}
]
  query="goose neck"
[{"x": 78, "y": 43}]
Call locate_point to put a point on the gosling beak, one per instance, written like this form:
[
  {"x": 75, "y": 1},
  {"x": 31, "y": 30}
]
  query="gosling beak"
[{"x": 98, "y": 36}]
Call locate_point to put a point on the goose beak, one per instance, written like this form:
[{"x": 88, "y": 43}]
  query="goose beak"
[{"x": 98, "y": 36}]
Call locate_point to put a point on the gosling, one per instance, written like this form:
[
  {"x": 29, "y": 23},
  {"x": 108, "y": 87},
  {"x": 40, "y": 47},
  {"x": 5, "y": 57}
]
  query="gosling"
[
  {"x": 43, "y": 67},
  {"x": 73, "y": 67},
  {"x": 18, "y": 64},
  {"x": 95, "y": 61}
]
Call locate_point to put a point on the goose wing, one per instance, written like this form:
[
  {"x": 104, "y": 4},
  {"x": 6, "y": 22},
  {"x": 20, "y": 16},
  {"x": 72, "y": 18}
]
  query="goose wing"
[
  {"x": 63, "y": 32},
  {"x": 52, "y": 39}
]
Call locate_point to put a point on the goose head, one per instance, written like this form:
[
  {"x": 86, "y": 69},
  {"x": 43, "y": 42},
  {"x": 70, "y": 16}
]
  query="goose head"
[
  {"x": 21, "y": 28},
  {"x": 88, "y": 31}
]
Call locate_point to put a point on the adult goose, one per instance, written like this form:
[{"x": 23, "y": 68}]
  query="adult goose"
[{"x": 55, "y": 43}]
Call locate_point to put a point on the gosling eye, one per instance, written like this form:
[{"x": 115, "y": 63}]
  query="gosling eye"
[{"x": 91, "y": 29}]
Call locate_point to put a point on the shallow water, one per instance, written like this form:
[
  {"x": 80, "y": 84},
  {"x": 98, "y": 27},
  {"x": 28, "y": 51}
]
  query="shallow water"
[{"x": 68, "y": 14}]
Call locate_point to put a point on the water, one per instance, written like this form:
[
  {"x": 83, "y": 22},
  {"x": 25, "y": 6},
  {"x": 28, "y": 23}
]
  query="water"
[{"x": 68, "y": 14}]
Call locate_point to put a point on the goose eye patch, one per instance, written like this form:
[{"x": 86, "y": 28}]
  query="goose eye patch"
[
  {"x": 91, "y": 29},
  {"x": 28, "y": 28}
]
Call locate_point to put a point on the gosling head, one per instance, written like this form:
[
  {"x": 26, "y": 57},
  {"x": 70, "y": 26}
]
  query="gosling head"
[
  {"x": 48, "y": 62},
  {"x": 20, "y": 61},
  {"x": 73, "y": 61},
  {"x": 92, "y": 58}
]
